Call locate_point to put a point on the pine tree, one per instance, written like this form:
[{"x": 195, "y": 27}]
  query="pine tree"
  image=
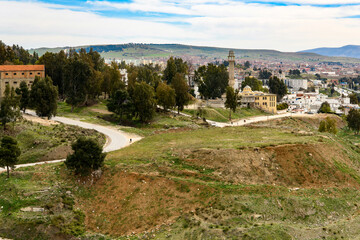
[
  {"x": 9, "y": 153},
  {"x": 9, "y": 107}
]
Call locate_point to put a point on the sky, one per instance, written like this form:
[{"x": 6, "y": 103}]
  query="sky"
[{"x": 285, "y": 25}]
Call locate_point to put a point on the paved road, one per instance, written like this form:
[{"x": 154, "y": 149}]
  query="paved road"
[
  {"x": 115, "y": 139},
  {"x": 249, "y": 120}
]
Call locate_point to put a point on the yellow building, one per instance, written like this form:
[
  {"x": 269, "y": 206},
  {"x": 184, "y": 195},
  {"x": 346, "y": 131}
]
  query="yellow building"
[
  {"x": 256, "y": 99},
  {"x": 14, "y": 74}
]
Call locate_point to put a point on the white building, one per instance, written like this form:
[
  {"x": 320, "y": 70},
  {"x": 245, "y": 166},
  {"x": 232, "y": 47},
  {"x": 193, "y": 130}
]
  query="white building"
[{"x": 296, "y": 84}]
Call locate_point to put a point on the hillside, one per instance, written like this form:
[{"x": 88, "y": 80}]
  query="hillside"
[
  {"x": 153, "y": 51},
  {"x": 351, "y": 51},
  {"x": 271, "y": 180}
]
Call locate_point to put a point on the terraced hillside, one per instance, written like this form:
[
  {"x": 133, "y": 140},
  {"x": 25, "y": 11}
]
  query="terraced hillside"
[{"x": 280, "y": 179}]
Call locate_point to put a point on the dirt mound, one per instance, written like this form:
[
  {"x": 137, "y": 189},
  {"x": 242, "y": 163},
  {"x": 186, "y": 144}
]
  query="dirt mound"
[
  {"x": 128, "y": 203},
  {"x": 289, "y": 165}
]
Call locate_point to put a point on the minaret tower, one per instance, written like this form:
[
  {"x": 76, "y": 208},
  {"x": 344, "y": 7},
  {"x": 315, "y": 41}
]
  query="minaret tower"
[{"x": 231, "y": 59}]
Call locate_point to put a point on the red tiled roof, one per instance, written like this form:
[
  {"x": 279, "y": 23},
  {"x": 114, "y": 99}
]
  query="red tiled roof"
[{"x": 4, "y": 68}]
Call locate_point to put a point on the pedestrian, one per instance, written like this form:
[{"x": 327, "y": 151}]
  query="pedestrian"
[{"x": 130, "y": 140}]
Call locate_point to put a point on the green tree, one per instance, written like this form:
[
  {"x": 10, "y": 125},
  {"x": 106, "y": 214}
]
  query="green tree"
[
  {"x": 264, "y": 74},
  {"x": 278, "y": 87},
  {"x": 182, "y": 95},
  {"x": 55, "y": 64},
  {"x": 231, "y": 100},
  {"x": 165, "y": 95},
  {"x": 247, "y": 65},
  {"x": 212, "y": 80},
  {"x": 353, "y": 98},
  {"x": 86, "y": 158},
  {"x": 353, "y": 120},
  {"x": 78, "y": 73},
  {"x": 324, "y": 108},
  {"x": 9, "y": 153},
  {"x": 9, "y": 107},
  {"x": 120, "y": 103},
  {"x": 144, "y": 101},
  {"x": 24, "y": 94},
  {"x": 44, "y": 97},
  {"x": 112, "y": 79},
  {"x": 256, "y": 85},
  {"x": 174, "y": 66}
]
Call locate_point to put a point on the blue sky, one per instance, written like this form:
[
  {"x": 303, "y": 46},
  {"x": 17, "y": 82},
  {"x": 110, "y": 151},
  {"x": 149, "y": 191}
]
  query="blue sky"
[{"x": 286, "y": 25}]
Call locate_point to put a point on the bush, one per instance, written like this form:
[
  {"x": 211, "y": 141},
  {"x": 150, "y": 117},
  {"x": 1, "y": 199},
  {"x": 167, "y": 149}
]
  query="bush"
[
  {"x": 282, "y": 106},
  {"x": 324, "y": 108},
  {"x": 328, "y": 125},
  {"x": 87, "y": 156}
]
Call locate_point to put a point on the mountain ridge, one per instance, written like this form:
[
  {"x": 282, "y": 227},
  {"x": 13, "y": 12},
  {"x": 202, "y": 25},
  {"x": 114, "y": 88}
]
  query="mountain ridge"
[
  {"x": 153, "y": 51},
  {"x": 352, "y": 51}
]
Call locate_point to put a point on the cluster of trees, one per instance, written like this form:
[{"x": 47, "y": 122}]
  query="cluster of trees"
[
  {"x": 16, "y": 55},
  {"x": 42, "y": 98},
  {"x": 146, "y": 89},
  {"x": 295, "y": 72},
  {"x": 212, "y": 80},
  {"x": 81, "y": 77}
]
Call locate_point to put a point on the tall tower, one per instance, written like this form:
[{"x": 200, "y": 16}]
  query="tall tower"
[{"x": 231, "y": 59}]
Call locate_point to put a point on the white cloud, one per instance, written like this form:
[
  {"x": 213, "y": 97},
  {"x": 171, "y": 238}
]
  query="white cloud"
[{"x": 221, "y": 23}]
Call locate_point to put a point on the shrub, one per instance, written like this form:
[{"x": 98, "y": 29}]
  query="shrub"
[
  {"x": 328, "y": 125},
  {"x": 87, "y": 156},
  {"x": 282, "y": 106}
]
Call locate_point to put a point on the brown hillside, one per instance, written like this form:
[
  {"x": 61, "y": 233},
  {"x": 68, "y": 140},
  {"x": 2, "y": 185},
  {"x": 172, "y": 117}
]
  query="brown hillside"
[{"x": 127, "y": 203}]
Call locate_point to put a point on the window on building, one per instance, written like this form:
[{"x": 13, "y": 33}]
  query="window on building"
[
  {"x": 31, "y": 73},
  {"x": 6, "y": 74},
  {"x": 15, "y": 83},
  {"x": 22, "y": 73},
  {"x": 38, "y": 73},
  {"x": 6, "y": 82},
  {"x": 14, "y": 73}
]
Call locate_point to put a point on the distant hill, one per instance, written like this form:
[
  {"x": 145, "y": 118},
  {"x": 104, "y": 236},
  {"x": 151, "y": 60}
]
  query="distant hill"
[
  {"x": 352, "y": 51},
  {"x": 153, "y": 51}
]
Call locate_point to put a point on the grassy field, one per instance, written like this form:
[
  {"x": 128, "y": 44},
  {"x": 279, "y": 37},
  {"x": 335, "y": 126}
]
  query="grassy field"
[
  {"x": 272, "y": 180},
  {"x": 222, "y": 115},
  {"x": 41, "y": 143}
]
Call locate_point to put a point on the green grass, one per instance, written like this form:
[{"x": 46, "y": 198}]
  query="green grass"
[
  {"x": 222, "y": 115},
  {"x": 36, "y": 141},
  {"x": 154, "y": 147},
  {"x": 86, "y": 114}
]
